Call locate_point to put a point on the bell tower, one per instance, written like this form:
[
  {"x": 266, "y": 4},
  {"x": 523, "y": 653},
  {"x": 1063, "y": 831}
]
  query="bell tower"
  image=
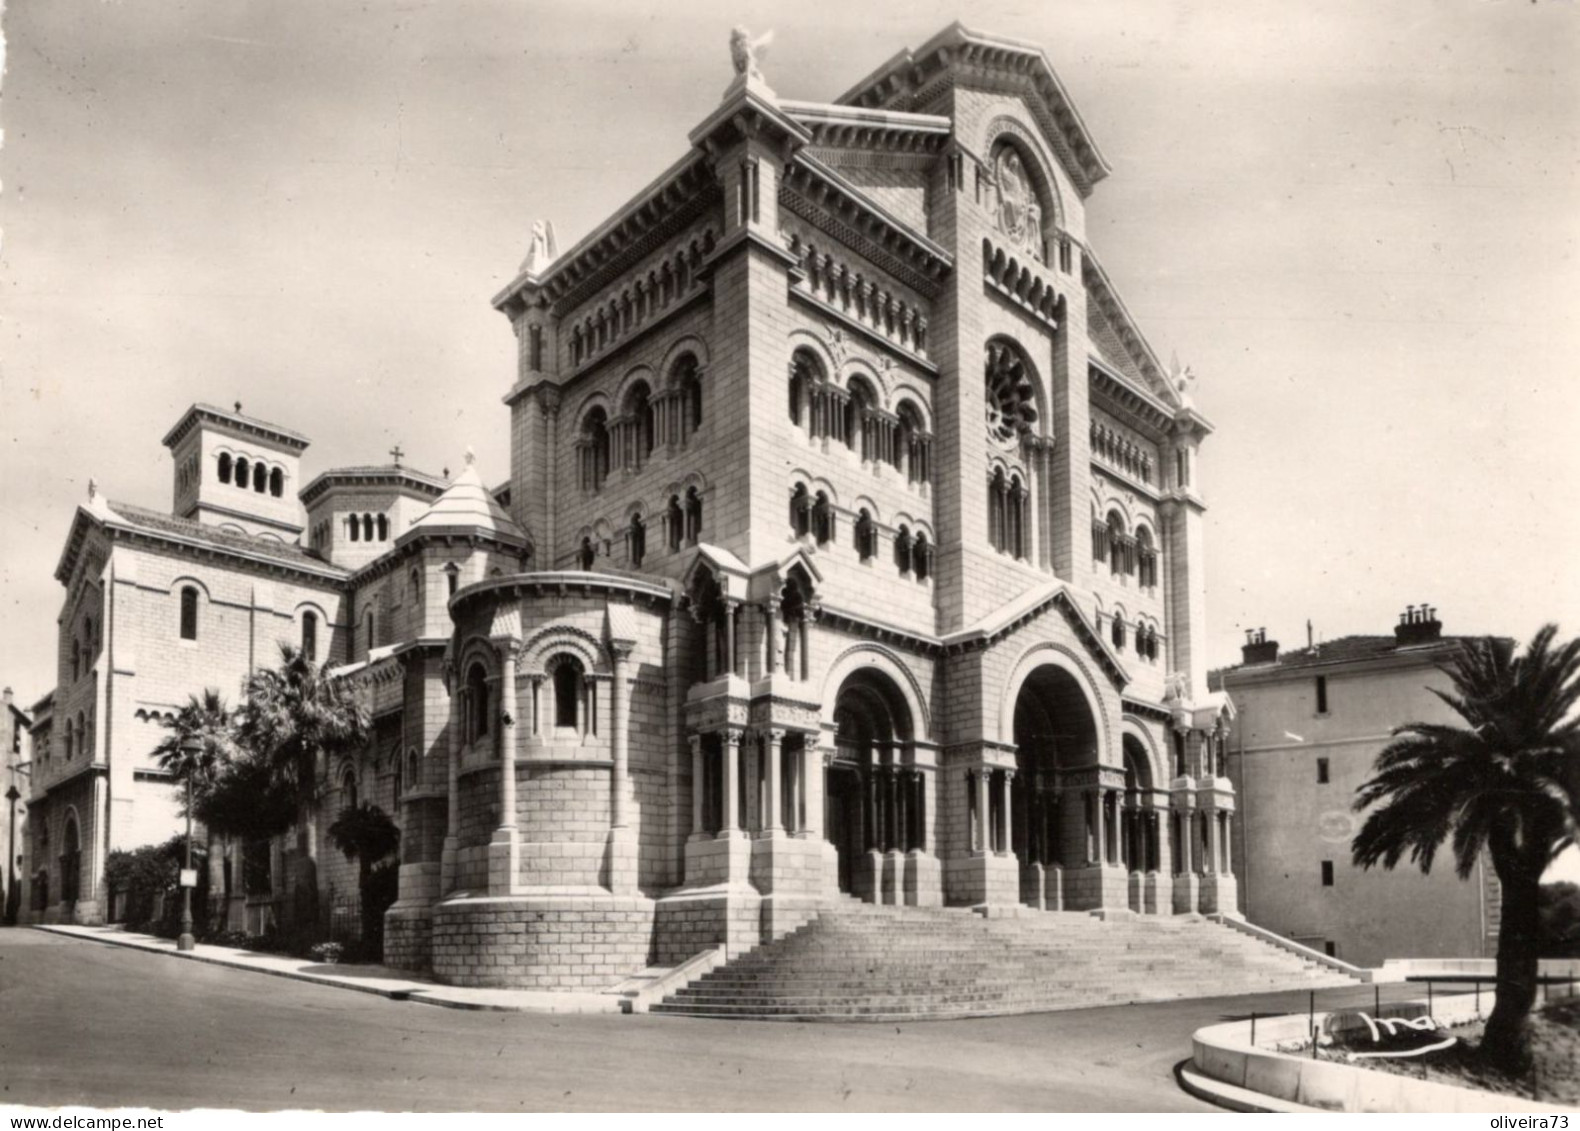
[{"x": 236, "y": 472}]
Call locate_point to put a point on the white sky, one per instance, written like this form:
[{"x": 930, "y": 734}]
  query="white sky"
[{"x": 1357, "y": 221}]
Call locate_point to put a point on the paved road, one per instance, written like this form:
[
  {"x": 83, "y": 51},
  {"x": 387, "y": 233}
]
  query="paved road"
[{"x": 102, "y": 1026}]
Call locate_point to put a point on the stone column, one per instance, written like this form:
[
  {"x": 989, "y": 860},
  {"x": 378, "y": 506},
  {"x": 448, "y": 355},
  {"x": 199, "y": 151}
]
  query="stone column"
[
  {"x": 773, "y": 821},
  {"x": 622, "y": 837},
  {"x": 730, "y": 826},
  {"x": 1228, "y": 845},
  {"x": 1006, "y": 824},
  {"x": 984, "y": 823},
  {"x": 730, "y": 667},
  {"x": 504, "y": 851},
  {"x": 619, "y": 709},
  {"x": 452, "y": 827},
  {"x": 771, "y": 635},
  {"x": 1100, "y": 826},
  {"x": 698, "y": 788}
]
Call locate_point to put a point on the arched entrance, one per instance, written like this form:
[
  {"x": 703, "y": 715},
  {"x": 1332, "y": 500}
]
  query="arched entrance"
[
  {"x": 1140, "y": 828},
  {"x": 874, "y": 795},
  {"x": 70, "y": 864},
  {"x": 1055, "y": 822}
]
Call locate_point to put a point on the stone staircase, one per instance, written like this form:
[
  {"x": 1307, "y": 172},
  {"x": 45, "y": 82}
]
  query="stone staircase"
[{"x": 860, "y": 962}]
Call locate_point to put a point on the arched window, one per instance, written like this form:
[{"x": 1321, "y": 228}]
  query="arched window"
[
  {"x": 922, "y": 557},
  {"x": 1146, "y": 558},
  {"x": 310, "y": 637},
  {"x": 639, "y": 410},
  {"x": 243, "y": 473},
  {"x": 675, "y": 518},
  {"x": 594, "y": 449},
  {"x": 1015, "y": 519},
  {"x": 859, "y": 419},
  {"x": 823, "y": 519},
  {"x": 1116, "y": 543},
  {"x": 76, "y": 659},
  {"x": 189, "y": 612},
  {"x": 367, "y": 528},
  {"x": 638, "y": 540},
  {"x": 1117, "y": 632},
  {"x": 260, "y": 478},
  {"x": 910, "y": 449},
  {"x": 866, "y": 536},
  {"x": 354, "y": 528},
  {"x": 413, "y": 770},
  {"x": 475, "y": 704},
  {"x": 369, "y": 623},
  {"x": 902, "y": 549},
  {"x": 452, "y": 579},
  {"x": 567, "y": 693},
  {"x": 687, "y": 378},
  {"x": 693, "y": 515},
  {"x": 800, "y": 510},
  {"x": 84, "y": 746},
  {"x": 277, "y": 483},
  {"x": 414, "y": 586},
  {"x": 998, "y": 511},
  {"x": 70, "y": 741},
  {"x": 224, "y": 467},
  {"x": 797, "y": 391},
  {"x": 586, "y": 555},
  {"x": 348, "y": 788},
  {"x": 384, "y": 528}
]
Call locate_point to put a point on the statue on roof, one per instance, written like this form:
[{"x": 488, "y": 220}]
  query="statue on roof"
[
  {"x": 746, "y": 52},
  {"x": 1182, "y": 380},
  {"x": 542, "y": 250}
]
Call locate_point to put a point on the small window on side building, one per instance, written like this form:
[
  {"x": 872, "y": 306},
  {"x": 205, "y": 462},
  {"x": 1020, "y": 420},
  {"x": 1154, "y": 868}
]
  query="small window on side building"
[
  {"x": 1322, "y": 695},
  {"x": 1327, "y": 873},
  {"x": 189, "y": 612},
  {"x": 1322, "y": 771}
]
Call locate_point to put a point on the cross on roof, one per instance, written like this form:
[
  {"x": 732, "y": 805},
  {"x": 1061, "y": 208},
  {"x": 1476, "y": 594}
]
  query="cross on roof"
[{"x": 396, "y": 453}]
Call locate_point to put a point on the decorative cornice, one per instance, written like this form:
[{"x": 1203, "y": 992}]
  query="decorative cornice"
[
  {"x": 234, "y": 422},
  {"x": 1120, "y": 398},
  {"x": 419, "y": 481},
  {"x": 681, "y": 193},
  {"x": 819, "y": 195},
  {"x": 561, "y": 582}
]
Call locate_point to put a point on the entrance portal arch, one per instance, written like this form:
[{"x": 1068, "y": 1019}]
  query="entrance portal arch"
[{"x": 874, "y": 795}]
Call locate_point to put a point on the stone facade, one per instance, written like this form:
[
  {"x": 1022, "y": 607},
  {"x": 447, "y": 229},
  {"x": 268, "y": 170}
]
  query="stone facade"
[{"x": 853, "y": 545}]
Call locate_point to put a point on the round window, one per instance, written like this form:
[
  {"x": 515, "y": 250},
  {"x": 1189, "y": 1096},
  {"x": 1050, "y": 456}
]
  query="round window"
[{"x": 1010, "y": 397}]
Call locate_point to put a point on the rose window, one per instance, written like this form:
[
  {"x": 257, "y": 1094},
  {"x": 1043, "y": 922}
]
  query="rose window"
[{"x": 1011, "y": 396}]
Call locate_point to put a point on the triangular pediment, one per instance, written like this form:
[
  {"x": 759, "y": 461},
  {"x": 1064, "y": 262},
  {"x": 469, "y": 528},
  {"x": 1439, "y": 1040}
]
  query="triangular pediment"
[
  {"x": 1029, "y": 605},
  {"x": 961, "y": 56}
]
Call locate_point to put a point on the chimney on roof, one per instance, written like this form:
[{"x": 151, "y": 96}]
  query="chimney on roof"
[
  {"x": 1418, "y": 624},
  {"x": 1258, "y": 649}
]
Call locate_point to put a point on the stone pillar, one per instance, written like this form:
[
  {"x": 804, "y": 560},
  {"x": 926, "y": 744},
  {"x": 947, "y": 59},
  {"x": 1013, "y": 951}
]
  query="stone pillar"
[
  {"x": 773, "y": 802},
  {"x": 452, "y": 827},
  {"x": 1228, "y": 846},
  {"x": 730, "y": 667},
  {"x": 504, "y": 851},
  {"x": 1005, "y": 829},
  {"x": 1099, "y": 823},
  {"x": 619, "y": 710},
  {"x": 730, "y": 826},
  {"x": 698, "y": 788},
  {"x": 984, "y": 823},
  {"x": 622, "y": 837},
  {"x": 771, "y": 635}
]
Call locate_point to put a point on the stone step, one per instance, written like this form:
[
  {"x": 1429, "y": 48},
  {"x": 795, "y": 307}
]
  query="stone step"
[{"x": 856, "y": 961}]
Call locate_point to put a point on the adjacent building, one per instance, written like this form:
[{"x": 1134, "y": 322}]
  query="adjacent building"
[
  {"x": 14, "y": 725},
  {"x": 853, "y": 543},
  {"x": 1308, "y": 727}
]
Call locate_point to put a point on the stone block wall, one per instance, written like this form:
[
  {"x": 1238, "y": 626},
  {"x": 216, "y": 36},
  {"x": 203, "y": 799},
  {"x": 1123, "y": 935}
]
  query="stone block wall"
[{"x": 542, "y": 943}]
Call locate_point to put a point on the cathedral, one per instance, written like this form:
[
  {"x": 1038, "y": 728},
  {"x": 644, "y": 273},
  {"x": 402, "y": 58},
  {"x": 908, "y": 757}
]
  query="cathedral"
[{"x": 852, "y": 548}]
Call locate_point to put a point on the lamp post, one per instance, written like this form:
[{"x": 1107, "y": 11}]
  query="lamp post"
[
  {"x": 191, "y": 749},
  {"x": 12, "y": 796}
]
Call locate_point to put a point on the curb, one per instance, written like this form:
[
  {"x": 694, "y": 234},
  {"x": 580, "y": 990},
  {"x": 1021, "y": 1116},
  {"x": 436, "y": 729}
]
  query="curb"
[{"x": 418, "y": 992}]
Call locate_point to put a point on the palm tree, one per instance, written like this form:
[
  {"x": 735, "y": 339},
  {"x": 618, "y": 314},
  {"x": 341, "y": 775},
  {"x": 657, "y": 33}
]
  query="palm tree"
[
  {"x": 1504, "y": 784},
  {"x": 294, "y": 717},
  {"x": 193, "y": 752}
]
